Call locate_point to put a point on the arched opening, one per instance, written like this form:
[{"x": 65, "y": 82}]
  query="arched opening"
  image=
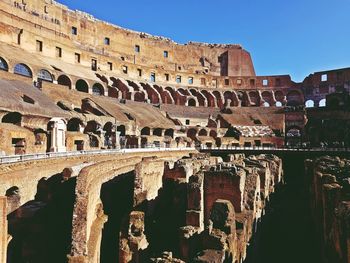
[
  {"x": 266, "y": 104},
  {"x": 309, "y": 104},
  {"x": 322, "y": 103},
  {"x": 169, "y": 132},
  {"x": 254, "y": 98},
  {"x": 213, "y": 134},
  {"x": 3, "y": 64},
  {"x": 139, "y": 96},
  {"x": 191, "y": 102},
  {"x": 231, "y": 99},
  {"x": 75, "y": 125},
  {"x": 278, "y": 104},
  {"x": 13, "y": 196},
  {"x": 203, "y": 132},
  {"x": 64, "y": 81},
  {"x": 191, "y": 133},
  {"x": 23, "y": 70},
  {"x": 218, "y": 98},
  {"x": 267, "y": 97},
  {"x": 93, "y": 127},
  {"x": 109, "y": 135},
  {"x": 97, "y": 89},
  {"x": 294, "y": 98},
  {"x": 293, "y": 136},
  {"x": 82, "y": 86},
  {"x": 12, "y": 117},
  {"x": 157, "y": 132},
  {"x": 121, "y": 129},
  {"x": 45, "y": 75},
  {"x": 146, "y": 131}
]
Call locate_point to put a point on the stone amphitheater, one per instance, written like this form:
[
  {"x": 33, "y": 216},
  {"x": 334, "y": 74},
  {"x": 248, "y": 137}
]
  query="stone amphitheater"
[{"x": 120, "y": 146}]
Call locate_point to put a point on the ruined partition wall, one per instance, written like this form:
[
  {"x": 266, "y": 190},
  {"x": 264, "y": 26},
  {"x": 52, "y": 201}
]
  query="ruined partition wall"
[{"x": 328, "y": 181}]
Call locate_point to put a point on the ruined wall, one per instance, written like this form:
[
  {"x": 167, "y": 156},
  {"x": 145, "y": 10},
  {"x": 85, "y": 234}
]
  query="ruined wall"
[{"x": 327, "y": 178}]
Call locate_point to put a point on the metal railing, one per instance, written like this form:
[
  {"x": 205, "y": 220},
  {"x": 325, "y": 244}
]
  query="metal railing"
[
  {"x": 50, "y": 155},
  {"x": 281, "y": 149}
]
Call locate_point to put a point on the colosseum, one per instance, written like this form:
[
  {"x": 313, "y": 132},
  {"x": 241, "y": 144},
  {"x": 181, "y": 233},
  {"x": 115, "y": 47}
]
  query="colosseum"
[{"x": 121, "y": 146}]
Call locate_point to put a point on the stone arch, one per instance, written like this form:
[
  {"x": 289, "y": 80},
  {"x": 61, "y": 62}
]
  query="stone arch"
[
  {"x": 23, "y": 70},
  {"x": 45, "y": 75},
  {"x": 309, "y": 104},
  {"x": 322, "y": 103},
  {"x": 210, "y": 98},
  {"x": 203, "y": 132},
  {"x": 64, "y": 80},
  {"x": 213, "y": 134},
  {"x": 228, "y": 95},
  {"x": 279, "y": 96},
  {"x": 13, "y": 196},
  {"x": 146, "y": 131},
  {"x": 82, "y": 86},
  {"x": 192, "y": 133},
  {"x": 153, "y": 94},
  {"x": 219, "y": 98},
  {"x": 12, "y": 117},
  {"x": 179, "y": 99},
  {"x": 120, "y": 86},
  {"x": 199, "y": 96},
  {"x": 139, "y": 96},
  {"x": 169, "y": 132},
  {"x": 98, "y": 89},
  {"x": 254, "y": 98},
  {"x": 122, "y": 130},
  {"x": 93, "y": 127},
  {"x": 75, "y": 125},
  {"x": 294, "y": 98},
  {"x": 267, "y": 97},
  {"x": 191, "y": 102},
  {"x": 279, "y": 104},
  {"x": 158, "y": 132},
  {"x": 3, "y": 64}
]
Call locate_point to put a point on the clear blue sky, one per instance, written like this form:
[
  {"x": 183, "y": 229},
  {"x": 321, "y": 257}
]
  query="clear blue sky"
[{"x": 295, "y": 37}]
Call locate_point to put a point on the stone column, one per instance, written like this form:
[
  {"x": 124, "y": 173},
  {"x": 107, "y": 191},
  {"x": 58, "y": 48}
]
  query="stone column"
[{"x": 3, "y": 229}]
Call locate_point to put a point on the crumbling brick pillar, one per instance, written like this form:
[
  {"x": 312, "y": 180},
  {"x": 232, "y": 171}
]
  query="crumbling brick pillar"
[
  {"x": 195, "y": 202},
  {"x": 3, "y": 229}
]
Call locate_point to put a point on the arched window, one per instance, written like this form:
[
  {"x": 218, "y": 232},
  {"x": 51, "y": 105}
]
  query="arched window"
[
  {"x": 24, "y": 70},
  {"x": 322, "y": 103},
  {"x": 12, "y": 117},
  {"x": 157, "y": 132},
  {"x": 3, "y": 64},
  {"x": 169, "y": 132},
  {"x": 203, "y": 132},
  {"x": 266, "y": 104},
  {"x": 64, "y": 81},
  {"x": 146, "y": 131},
  {"x": 75, "y": 125},
  {"x": 278, "y": 104},
  {"x": 45, "y": 75},
  {"x": 121, "y": 129},
  {"x": 192, "y": 103},
  {"x": 309, "y": 104},
  {"x": 82, "y": 86},
  {"x": 97, "y": 89}
]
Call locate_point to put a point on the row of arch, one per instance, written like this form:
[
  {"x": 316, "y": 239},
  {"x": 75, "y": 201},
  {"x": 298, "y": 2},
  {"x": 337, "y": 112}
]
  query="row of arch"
[{"x": 155, "y": 94}]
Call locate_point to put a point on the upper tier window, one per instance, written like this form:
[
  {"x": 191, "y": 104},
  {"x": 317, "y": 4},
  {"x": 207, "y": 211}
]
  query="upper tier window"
[
  {"x": 24, "y": 70},
  {"x": 137, "y": 49},
  {"x": 178, "y": 79},
  {"x": 3, "y": 64},
  {"x": 190, "y": 80},
  {"x": 324, "y": 77},
  {"x": 74, "y": 30},
  {"x": 45, "y": 75},
  {"x": 153, "y": 77},
  {"x": 107, "y": 41},
  {"x": 166, "y": 54},
  {"x": 39, "y": 46},
  {"x": 94, "y": 64},
  {"x": 265, "y": 82}
]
